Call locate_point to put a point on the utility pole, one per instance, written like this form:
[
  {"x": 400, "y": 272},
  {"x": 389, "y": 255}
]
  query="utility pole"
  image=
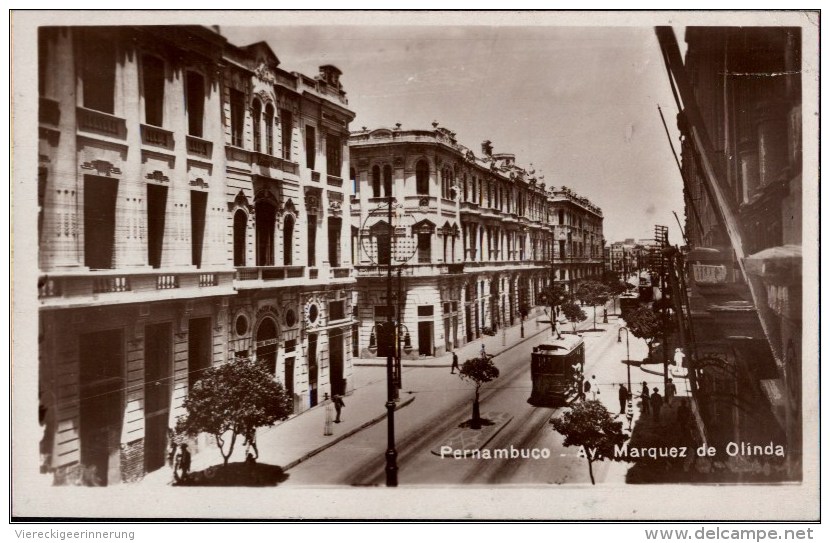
[
  {"x": 391, "y": 452},
  {"x": 661, "y": 234}
]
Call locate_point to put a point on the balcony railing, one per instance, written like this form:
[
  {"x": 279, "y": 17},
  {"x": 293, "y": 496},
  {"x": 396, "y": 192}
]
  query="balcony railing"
[
  {"x": 66, "y": 288},
  {"x": 153, "y": 135},
  {"x": 340, "y": 273},
  {"x": 269, "y": 273},
  {"x": 334, "y": 181},
  {"x": 265, "y": 160},
  {"x": 411, "y": 270},
  {"x": 199, "y": 147},
  {"x": 103, "y": 123},
  {"x": 315, "y": 176}
]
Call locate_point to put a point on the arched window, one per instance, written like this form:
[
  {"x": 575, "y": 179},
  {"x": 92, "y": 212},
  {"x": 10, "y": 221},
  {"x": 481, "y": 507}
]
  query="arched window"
[
  {"x": 269, "y": 129},
  {"x": 422, "y": 177},
  {"x": 387, "y": 180},
  {"x": 375, "y": 182},
  {"x": 240, "y": 232},
  {"x": 256, "y": 120},
  {"x": 265, "y": 219},
  {"x": 288, "y": 240}
]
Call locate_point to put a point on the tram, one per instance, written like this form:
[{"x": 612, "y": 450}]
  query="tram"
[
  {"x": 645, "y": 288},
  {"x": 628, "y": 302},
  {"x": 556, "y": 370}
]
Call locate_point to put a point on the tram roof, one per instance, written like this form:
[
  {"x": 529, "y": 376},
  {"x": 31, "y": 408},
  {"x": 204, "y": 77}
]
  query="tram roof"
[{"x": 561, "y": 346}]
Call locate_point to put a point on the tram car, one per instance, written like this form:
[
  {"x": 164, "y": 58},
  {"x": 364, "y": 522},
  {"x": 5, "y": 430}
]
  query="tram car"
[
  {"x": 628, "y": 302},
  {"x": 645, "y": 288},
  {"x": 556, "y": 370}
]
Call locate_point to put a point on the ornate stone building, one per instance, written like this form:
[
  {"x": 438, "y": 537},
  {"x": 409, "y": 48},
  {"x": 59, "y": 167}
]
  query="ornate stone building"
[
  {"x": 190, "y": 211},
  {"x": 474, "y": 238}
]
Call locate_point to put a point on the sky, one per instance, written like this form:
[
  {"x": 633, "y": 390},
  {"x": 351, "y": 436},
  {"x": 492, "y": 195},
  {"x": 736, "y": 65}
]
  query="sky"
[{"x": 578, "y": 103}]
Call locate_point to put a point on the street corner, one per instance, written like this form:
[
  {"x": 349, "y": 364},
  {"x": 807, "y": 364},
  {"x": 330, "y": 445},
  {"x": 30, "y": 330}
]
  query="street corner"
[{"x": 463, "y": 440}]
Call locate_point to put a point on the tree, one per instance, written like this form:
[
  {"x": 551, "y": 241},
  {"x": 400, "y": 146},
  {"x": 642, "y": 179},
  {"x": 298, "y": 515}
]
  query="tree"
[
  {"x": 480, "y": 371},
  {"x": 615, "y": 288},
  {"x": 554, "y": 295},
  {"x": 574, "y": 314},
  {"x": 594, "y": 293},
  {"x": 644, "y": 323},
  {"x": 236, "y": 398},
  {"x": 590, "y": 426}
]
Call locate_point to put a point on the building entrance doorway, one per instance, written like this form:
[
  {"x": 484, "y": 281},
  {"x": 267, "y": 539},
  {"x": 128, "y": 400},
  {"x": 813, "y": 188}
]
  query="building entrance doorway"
[
  {"x": 336, "y": 362},
  {"x": 266, "y": 344},
  {"x": 425, "y": 338},
  {"x": 158, "y": 339}
]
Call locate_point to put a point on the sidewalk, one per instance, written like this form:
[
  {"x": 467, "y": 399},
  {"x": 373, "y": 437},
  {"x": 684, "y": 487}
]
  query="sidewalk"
[{"x": 288, "y": 443}]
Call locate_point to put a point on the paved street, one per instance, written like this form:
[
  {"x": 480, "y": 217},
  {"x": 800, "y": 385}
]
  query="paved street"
[{"x": 442, "y": 402}]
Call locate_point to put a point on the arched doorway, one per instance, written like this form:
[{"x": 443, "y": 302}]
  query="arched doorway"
[
  {"x": 288, "y": 240},
  {"x": 266, "y": 344}
]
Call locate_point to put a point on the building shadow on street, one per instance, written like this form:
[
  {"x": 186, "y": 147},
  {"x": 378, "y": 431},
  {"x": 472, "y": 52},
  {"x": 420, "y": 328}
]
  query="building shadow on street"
[{"x": 237, "y": 474}]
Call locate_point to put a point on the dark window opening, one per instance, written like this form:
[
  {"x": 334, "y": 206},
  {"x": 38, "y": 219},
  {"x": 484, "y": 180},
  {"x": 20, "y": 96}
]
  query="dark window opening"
[
  {"x": 265, "y": 221},
  {"x": 310, "y": 147},
  {"x": 337, "y": 310},
  {"x": 353, "y": 178},
  {"x": 334, "y": 242},
  {"x": 288, "y": 240},
  {"x": 422, "y": 177},
  {"x": 199, "y": 349},
  {"x": 195, "y": 104},
  {"x": 287, "y": 127},
  {"x": 426, "y": 310},
  {"x": 334, "y": 155},
  {"x": 240, "y": 234},
  {"x": 266, "y": 345},
  {"x": 384, "y": 242},
  {"x": 153, "y": 70},
  {"x": 99, "y": 222},
  {"x": 387, "y": 180},
  {"x": 425, "y": 248},
  {"x": 198, "y": 209},
  {"x": 269, "y": 129},
  {"x": 237, "y": 117},
  {"x": 256, "y": 118},
  {"x": 99, "y": 74},
  {"x": 156, "y": 206},
  {"x": 375, "y": 182},
  {"x": 312, "y": 240}
]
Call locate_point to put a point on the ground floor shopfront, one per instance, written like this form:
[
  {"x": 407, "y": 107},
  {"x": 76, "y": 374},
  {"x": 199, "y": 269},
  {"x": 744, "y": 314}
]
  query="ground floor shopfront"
[{"x": 113, "y": 378}]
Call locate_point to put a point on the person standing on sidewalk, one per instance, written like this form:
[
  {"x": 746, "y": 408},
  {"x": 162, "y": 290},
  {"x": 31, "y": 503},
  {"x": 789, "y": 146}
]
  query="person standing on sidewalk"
[
  {"x": 671, "y": 392},
  {"x": 337, "y": 399},
  {"x": 483, "y": 352},
  {"x": 594, "y": 387},
  {"x": 656, "y": 405},
  {"x": 454, "y": 363},
  {"x": 623, "y": 394},
  {"x": 645, "y": 396},
  {"x": 182, "y": 464}
]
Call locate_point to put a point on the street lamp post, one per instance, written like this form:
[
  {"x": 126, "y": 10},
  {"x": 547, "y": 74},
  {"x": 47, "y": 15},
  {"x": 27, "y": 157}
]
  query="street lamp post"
[
  {"x": 391, "y": 452},
  {"x": 627, "y": 355}
]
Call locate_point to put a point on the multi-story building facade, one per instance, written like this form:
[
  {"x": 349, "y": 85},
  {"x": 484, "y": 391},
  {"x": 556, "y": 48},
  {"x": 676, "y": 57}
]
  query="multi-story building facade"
[
  {"x": 741, "y": 90},
  {"x": 475, "y": 238},
  {"x": 190, "y": 212}
]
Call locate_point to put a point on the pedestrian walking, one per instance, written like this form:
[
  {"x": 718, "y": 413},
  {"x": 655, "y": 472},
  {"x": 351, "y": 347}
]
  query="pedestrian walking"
[
  {"x": 671, "y": 392},
  {"x": 656, "y": 404},
  {"x": 623, "y": 395},
  {"x": 337, "y": 399},
  {"x": 483, "y": 352},
  {"x": 645, "y": 397},
  {"x": 181, "y": 470},
  {"x": 454, "y": 363},
  {"x": 594, "y": 387},
  {"x": 586, "y": 388}
]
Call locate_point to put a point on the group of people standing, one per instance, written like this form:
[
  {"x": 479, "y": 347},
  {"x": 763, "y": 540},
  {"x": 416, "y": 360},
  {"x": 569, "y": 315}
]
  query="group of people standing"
[{"x": 652, "y": 401}]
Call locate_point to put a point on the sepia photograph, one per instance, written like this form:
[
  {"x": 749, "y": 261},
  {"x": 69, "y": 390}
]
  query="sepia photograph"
[{"x": 373, "y": 265}]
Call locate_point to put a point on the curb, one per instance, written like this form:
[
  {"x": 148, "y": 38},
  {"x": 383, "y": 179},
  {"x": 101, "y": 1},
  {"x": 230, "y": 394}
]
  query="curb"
[{"x": 340, "y": 438}]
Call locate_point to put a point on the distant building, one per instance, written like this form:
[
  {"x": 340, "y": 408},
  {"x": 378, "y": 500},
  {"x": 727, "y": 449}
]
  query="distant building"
[
  {"x": 191, "y": 211},
  {"x": 476, "y": 237}
]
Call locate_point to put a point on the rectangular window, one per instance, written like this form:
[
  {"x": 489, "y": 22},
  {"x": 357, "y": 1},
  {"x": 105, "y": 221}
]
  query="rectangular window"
[
  {"x": 290, "y": 345},
  {"x": 312, "y": 240},
  {"x": 237, "y": 99},
  {"x": 99, "y": 74},
  {"x": 310, "y": 147},
  {"x": 156, "y": 206},
  {"x": 337, "y": 310},
  {"x": 199, "y": 349},
  {"x": 426, "y": 310},
  {"x": 381, "y": 312},
  {"x": 334, "y": 242},
  {"x": 195, "y": 104},
  {"x": 384, "y": 242},
  {"x": 153, "y": 76},
  {"x": 287, "y": 128},
  {"x": 425, "y": 248},
  {"x": 198, "y": 208},
  {"x": 100, "y": 195},
  {"x": 334, "y": 155},
  {"x": 447, "y": 307}
]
